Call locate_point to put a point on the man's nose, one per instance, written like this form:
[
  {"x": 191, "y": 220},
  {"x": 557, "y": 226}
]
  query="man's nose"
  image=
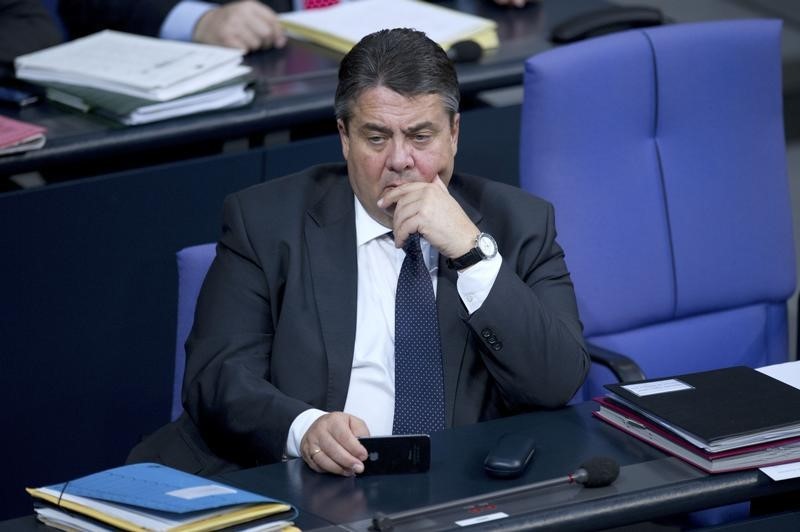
[{"x": 401, "y": 157}]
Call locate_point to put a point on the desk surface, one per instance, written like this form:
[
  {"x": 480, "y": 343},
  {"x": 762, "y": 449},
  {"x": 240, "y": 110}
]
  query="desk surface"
[{"x": 650, "y": 484}]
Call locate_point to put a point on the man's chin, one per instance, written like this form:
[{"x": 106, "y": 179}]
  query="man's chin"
[{"x": 387, "y": 217}]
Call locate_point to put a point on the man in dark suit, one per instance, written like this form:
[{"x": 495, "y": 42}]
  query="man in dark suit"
[{"x": 295, "y": 344}]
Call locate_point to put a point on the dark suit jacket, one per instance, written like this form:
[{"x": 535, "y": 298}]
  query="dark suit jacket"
[
  {"x": 83, "y": 17},
  {"x": 25, "y": 26},
  {"x": 276, "y": 319}
]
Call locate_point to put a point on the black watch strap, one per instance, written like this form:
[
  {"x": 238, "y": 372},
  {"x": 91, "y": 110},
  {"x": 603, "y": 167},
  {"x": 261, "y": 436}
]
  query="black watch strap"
[{"x": 466, "y": 260}]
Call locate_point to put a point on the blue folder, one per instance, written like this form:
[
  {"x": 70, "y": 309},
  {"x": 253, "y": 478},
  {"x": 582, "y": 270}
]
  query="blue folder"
[{"x": 157, "y": 487}]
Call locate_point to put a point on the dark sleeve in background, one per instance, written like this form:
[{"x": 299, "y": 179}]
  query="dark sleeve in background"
[
  {"x": 25, "y": 26},
  {"x": 84, "y": 17}
]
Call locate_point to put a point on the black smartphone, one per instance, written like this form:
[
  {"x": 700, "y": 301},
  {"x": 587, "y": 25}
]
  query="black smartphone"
[{"x": 402, "y": 453}]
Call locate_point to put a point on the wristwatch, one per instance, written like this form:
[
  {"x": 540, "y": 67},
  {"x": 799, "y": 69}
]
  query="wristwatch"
[{"x": 485, "y": 248}]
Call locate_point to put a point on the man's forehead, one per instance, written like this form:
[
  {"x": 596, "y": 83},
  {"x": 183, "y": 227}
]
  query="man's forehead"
[{"x": 383, "y": 107}]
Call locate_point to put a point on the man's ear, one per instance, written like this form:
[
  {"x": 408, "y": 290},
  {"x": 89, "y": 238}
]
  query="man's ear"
[
  {"x": 343, "y": 137},
  {"x": 454, "y": 128}
]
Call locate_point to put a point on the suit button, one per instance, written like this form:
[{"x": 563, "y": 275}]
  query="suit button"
[
  {"x": 498, "y": 346},
  {"x": 486, "y": 333},
  {"x": 491, "y": 340}
]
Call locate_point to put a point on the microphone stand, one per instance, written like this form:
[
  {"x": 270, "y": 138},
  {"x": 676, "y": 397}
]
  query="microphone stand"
[{"x": 382, "y": 522}]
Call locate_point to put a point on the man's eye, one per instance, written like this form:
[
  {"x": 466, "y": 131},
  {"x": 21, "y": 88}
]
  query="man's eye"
[
  {"x": 375, "y": 139},
  {"x": 422, "y": 138}
]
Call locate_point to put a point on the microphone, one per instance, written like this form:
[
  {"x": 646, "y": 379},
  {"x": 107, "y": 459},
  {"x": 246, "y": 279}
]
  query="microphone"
[
  {"x": 465, "y": 52},
  {"x": 596, "y": 472}
]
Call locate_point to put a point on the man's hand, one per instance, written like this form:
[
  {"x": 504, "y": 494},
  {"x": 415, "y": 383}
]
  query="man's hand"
[
  {"x": 430, "y": 210},
  {"x": 331, "y": 444},
  {"x": 515, "y": 3},
  {"x": 247, "y": 25}
]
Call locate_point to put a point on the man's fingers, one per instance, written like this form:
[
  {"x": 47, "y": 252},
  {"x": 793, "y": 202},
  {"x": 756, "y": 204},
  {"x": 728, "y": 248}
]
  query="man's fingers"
[
  {"x": 248, "y": 25},
  {"x": 406, "y": 220},
  {"x": 246, "y": 37},
  {"x": 335, "y": 458},
  {"x": 358, "y": 427},
  {"x": 393, "y": 195},
  {"x": 345, "y": 449},
  {"x": 428, "y": 208},
  {"x": 310, "y": 459},
  {"x": 329, "y": 465},
  {"x": 515, "y": 3},
  {"x": 331, "y": 445},
  {"x": 413, "y": 211},
  {"x": 359, "y": 430},
  {"x": 264, "y": 23}
]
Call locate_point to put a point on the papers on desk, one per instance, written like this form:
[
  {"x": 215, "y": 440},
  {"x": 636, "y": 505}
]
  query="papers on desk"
[
  {"x": 154, "y": 497},
  {"x": 123, "y": 76},
  {"x": 132, "y": 111},
  {"x": 341, "y": 26},
  {"x": 17, "y": 136},
  {"x": 720, "y": 420},
  {"x": 787, "y": 372},
  {"x": 747, "y": 457}
]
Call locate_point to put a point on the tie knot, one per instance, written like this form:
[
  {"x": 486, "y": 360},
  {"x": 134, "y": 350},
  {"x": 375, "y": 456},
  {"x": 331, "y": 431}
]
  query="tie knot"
[{"x": 412, "y": 247}]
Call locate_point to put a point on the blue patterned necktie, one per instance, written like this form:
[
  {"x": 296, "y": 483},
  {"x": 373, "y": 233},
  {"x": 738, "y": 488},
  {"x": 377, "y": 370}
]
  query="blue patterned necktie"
[{"x": 418, "y": 374}]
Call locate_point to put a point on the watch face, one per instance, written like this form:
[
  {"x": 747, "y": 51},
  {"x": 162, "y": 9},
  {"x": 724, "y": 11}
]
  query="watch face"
[{"x": 487, "y": 246}]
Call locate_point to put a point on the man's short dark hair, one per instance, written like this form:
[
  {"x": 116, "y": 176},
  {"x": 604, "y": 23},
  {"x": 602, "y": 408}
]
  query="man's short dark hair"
[{"x": 403, "y": 60}]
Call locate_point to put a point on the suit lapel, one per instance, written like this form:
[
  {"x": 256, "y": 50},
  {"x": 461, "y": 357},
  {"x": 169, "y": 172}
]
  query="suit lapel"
[
  {"x": 330, "y": 234},
  {"x": 454, "y": 332}
]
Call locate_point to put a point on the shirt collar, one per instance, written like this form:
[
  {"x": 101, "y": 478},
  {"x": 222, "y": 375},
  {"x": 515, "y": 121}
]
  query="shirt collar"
[{"x": 366, "y": 227}]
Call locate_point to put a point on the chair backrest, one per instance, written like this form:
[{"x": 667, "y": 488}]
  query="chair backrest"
[
  {"x": 193, "y": 264},
  {"x": 663, "y": 152}
]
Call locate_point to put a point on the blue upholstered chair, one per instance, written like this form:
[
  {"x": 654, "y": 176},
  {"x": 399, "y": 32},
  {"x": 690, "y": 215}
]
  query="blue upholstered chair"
[
  {"x": 663, "y": 152},
  {"x": 193, "y": 264}
]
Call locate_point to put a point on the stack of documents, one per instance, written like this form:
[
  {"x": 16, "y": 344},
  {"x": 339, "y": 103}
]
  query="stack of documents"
[
  {"x": 155, "y": 497},
  {"x": 720, "y": 420},
  {"x": 137, "y": 79},
  {"x": 340, "y": 27},
  {"x": 17, "y": 136}
]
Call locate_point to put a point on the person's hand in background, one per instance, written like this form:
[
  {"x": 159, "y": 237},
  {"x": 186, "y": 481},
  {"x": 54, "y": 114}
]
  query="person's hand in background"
[
  {"x": 248, "y": 25},
  {"x": 515, "y": 3}
]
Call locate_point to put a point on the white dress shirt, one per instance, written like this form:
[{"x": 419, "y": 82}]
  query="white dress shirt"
[{"x": 370, "y": 395}]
